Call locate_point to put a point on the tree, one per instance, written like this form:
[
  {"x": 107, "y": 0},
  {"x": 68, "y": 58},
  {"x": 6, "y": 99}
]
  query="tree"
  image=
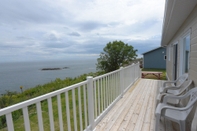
[{"x": 115, "y": 54}]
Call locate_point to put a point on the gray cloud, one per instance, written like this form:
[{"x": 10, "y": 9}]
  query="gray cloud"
[
  {"x": 74, "y": 34},
  {"x": 144, "y": 45},
  {"x": 22, "y": 12},
  {"x": 91, "y": 25}
]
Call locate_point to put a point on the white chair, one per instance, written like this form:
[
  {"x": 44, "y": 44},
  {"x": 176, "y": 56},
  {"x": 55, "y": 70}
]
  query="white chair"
[
  {"x": 194, "y": 122},
  {"x": 173, "y": 84},
  {"x": 175, "y": 91},
  {"x": 176, "y": 114}
]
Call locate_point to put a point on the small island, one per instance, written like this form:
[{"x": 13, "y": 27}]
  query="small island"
[{"x": 45, "y": 69}]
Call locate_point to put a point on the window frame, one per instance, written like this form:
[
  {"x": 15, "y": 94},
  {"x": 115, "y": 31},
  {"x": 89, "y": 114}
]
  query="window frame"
[{"x": 182, "y": 53}]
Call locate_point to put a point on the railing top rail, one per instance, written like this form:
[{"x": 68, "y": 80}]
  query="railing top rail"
[
  {"x": 39, "y": 98},
  {"x": 131, "y": 65},
  {"x": 98, "y": 77},
  {"x": 104, "y": 75}
]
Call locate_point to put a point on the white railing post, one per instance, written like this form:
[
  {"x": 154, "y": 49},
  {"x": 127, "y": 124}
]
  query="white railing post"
[
  {"x": 90, "y": 103},
  {"x": 122, "y": 81}
]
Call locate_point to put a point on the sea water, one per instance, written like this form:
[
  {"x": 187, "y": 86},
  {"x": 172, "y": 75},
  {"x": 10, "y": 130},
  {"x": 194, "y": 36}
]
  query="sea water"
[{"x": 29, "y": 74}]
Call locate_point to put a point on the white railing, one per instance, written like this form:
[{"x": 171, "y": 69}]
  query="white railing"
[{"x": 78, "y": 107}]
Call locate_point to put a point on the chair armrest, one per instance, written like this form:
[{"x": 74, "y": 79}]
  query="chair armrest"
[
  {"x": 171, "y": 88},
  {"x": 163, "y": 109},
  {"x": 162, "y": 95},
  {"x": 168, "y": 82},
  {"x": 170, "y": 96}
]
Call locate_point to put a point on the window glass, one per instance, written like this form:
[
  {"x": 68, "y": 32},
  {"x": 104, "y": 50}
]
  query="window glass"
[{"x": 186, "y": 52}]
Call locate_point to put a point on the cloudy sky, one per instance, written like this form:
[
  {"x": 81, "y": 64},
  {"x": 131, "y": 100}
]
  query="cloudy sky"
[{"x": 73, "y": 29}]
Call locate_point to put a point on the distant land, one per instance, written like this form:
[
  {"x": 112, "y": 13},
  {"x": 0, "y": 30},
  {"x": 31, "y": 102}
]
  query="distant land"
[{"x": 44, "y": 69}]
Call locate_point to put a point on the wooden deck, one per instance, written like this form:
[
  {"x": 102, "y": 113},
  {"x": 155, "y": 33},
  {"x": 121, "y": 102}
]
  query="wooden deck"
[{"x": 135, "y": 111}]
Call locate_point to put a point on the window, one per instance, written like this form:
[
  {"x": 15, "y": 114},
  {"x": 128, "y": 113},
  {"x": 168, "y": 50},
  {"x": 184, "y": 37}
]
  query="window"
[
  {"x": 185, "y": 53},
  {"x": 165, "y": 57}
]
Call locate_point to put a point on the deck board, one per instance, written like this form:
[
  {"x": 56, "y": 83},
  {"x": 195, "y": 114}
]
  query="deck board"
[{"x": 135, "y": 111}]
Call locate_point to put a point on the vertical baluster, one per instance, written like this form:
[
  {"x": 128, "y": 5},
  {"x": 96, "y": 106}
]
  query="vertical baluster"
[
  {"x": 135, "y": 70},
  {"x": 131, "y": 74},
  {"x": 99, "y": 108},
  {"x": 85, "y": 107},
  {"x": 108, "y": 93},
  {"x": 67, "y": 111},
  {"x": 60, "y": 112},
  {"x": 104, "y": 91},
  {"x": 9, "y": 121},
  {"x": 80, "y": 115},
  {"x": 117, "y": 88},
  {"x": 107, "y": 85},
  {"x": 119, "y": 84},
  {"x": 101, "y": 83},
  {"x": 90, "y": 102},
  {"x": 121, "y": 81},
  {"x": 110, "y": 85},
  {"x": 50, "y": 108},
  {"x": 39, "y": 115},
  {"x": 26, "y": 118},
  {"x": 114, "y": 86},
  {"x": 95, "y": 98},
  {"x": 74, "y": 109}
]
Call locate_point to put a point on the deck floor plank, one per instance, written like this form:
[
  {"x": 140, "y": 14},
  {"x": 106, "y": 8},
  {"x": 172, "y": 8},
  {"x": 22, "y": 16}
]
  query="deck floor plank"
[
  {"x": 126, "y": 120},
  {"x": 124, "y": 114},
  {"x": 120, "y": 113},
  {"x": 150, "y": 110},
  {"x": 110, "y": 114},
  {"x": 135, "y": 110},
  {"x": 143, "y": 112},
  {"x": 135, "y": 119}
]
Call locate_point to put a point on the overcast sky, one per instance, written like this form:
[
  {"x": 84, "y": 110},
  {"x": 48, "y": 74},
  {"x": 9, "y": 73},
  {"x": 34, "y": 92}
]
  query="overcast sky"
[{"x": 72, "y": 29}]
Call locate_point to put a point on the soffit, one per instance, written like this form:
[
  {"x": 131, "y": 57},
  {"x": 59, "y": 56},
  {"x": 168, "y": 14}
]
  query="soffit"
[{"x": 176, "y": 12}]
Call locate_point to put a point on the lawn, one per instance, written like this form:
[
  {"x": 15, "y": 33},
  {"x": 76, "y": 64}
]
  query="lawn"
[{"x": 163, "y": 77}]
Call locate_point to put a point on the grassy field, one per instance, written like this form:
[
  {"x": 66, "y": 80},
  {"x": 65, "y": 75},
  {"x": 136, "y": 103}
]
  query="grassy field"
[{"x": 163, "y": 77}]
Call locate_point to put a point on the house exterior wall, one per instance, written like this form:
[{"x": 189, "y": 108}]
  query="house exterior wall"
[
  {"x": 188, "y": 27},
  {"x": 155, "y": 59}
]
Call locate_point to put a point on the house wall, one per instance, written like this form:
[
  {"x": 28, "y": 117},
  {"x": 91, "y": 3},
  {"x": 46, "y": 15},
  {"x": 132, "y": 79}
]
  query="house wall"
[
  {"x": 155, "y": 59},
  {"x": 189, "y": 26}
]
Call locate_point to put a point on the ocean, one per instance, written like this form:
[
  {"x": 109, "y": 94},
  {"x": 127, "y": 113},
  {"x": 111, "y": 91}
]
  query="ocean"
[{"x": 29, "y": 74}]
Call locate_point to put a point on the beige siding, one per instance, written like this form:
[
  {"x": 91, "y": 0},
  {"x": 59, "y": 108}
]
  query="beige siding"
[{"x": 190, "y": 25}]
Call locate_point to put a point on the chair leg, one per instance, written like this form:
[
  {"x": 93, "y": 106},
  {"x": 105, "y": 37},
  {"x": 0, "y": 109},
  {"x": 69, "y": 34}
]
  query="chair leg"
[
  {"x": 182, "y": 125},
  {"x": 157, "y": 122}
]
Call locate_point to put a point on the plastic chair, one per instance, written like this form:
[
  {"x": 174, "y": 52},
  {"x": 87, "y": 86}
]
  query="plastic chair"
[
  {"x": 176, "y": 114},
  {"x": 175, "y": 91},
  {"x": 194, "y": 122},
  {"x": 173, "y": 84}
]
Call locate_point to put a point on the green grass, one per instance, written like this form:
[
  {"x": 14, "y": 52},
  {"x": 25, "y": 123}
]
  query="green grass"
[{"x": 163, "y": 77}]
